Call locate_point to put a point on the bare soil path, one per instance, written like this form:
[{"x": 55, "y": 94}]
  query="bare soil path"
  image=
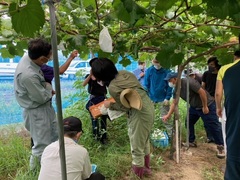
[{"x": 198, "y": 163}]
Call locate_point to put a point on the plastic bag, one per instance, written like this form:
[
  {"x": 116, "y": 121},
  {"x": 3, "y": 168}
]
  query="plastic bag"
[{"x": 105, "y": 40}]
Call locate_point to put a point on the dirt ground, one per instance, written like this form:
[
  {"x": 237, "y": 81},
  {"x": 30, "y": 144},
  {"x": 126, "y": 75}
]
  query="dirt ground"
[{"x": 198, "y": 163}]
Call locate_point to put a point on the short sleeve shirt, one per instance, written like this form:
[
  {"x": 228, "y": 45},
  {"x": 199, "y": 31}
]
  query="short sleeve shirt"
[
  {"x": 96, "y": 89},
  {"x": 77, "y": 161},
  {"x": 210, "y": 82},
  {"x": 194, "y": 98}
]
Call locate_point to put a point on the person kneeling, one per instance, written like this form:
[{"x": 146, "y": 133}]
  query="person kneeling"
[{"x": 78, "y": 164}]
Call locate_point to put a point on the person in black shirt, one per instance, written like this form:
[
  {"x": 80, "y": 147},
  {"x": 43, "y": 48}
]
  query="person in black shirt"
[
  {"x": 209, "y": 77},
  {"x": 97, "y": 94}
]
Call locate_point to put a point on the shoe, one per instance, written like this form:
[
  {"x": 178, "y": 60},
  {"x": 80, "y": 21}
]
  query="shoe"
[
  {"x": 139, "y": 171},
  {"x": 191, "y": 144},
  {"x": 147, "y": 171},
  {"x": 220, "y": 151}
]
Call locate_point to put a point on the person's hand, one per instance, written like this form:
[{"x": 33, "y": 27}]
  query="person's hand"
[
  {"x": 219, "y": 112},
  {"x": 205, "y": 110},
  {"x": 165, "y": 118},
  {"x": 166, "y": 102},
  {"x": 142, "y": 74},
  {"x": 91, "y": 75},
  {"x": 53, "y": 92},
  {"x": 74, "y": 54},
  {"x": 107, "y": 104}
]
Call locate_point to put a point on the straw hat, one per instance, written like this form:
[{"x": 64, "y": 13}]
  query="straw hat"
[{"x": 131, "y": 99}]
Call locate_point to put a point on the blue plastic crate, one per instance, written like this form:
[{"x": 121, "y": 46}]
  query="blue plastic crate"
[{"x": 163, "y": 142}]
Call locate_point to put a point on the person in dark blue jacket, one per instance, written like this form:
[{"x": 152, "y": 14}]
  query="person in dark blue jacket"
[{"x": 158, "y": 90}]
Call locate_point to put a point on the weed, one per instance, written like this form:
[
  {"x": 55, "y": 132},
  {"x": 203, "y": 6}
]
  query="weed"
[{"x": 212, "y": 173}]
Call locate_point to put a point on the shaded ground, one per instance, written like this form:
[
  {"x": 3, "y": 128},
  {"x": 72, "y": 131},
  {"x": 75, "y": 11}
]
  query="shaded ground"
[{"x": 198, "y": 163}]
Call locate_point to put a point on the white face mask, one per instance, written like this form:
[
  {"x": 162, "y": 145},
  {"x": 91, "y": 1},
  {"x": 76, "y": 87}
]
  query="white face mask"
[
  {"x": 157, "y": 66},
  {"x": 140, "y": 67},
  {"x": 170, "y": 84}
]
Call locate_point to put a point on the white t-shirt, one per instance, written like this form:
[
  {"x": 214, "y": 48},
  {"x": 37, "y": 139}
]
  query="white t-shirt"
[{"x": 77, "y": 162}]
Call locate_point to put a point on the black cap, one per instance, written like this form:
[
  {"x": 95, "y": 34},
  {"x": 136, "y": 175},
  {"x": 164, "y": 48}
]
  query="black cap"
[{"x": 72, "y": 124}]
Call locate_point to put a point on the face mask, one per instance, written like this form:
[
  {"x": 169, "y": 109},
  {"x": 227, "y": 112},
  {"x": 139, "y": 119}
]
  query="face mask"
[
  {"x": 157, "y": 66},
  {"x": 170, "y": 84},
  {"x": 103, "y": 83},
  {"x": 100, "y": 83},
  {"x": 211, "y": 69},
  {"x": 140, "y": 67}
]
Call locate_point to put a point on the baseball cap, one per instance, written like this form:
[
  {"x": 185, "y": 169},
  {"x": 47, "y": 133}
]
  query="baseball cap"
[
  {"x": 72, "y": 124},
  {"x": 171, "y": 75}
]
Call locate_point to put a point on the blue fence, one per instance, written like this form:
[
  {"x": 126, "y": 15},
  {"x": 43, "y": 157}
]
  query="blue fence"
[{"x": 11, "y": 112}]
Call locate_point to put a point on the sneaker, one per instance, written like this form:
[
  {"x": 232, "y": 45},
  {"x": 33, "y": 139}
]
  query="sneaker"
[
  {"x": 220, "y": 151},
  {"x": 191, "y": 144}
]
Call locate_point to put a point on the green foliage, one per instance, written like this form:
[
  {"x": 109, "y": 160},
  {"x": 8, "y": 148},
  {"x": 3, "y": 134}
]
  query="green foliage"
[
  {"x": 27, "y": 19},
  {"x": 167, "y": 56},
  {"x": 225, "y": 56},
  {"x": 135, "y": 26},
  {"x": 89, "y": 3},
  {"x": 14, "y": 152},
  {"x": 223, "y": 9},
  {"x": 165, "y": 5},
  {"x": 5, "y": 53},
  {"x": 129, "y": 11},
  {"x": 125, "y": 61}
]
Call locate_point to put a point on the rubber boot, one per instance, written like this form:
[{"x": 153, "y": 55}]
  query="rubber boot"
[
  {"x": 147, "y": 170},
  {"x": 139, "y": 171}
]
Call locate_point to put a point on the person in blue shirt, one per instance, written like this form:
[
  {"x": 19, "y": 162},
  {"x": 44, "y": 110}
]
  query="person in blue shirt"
[
  {"x": 159, "y": 90},
  {"x": 140, "y": 72}
]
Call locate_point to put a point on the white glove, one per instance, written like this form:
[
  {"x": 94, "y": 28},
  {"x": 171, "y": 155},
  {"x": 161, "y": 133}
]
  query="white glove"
[{"x": 103, "y": 110}]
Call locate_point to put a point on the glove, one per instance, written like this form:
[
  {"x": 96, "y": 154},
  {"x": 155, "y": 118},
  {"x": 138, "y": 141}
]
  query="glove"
[{"x": 166, "y": 102}]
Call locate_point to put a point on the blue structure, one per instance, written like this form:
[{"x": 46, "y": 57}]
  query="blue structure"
[
  {"x": 119, "y": 66},
  {"x": 131, "y": 67}
]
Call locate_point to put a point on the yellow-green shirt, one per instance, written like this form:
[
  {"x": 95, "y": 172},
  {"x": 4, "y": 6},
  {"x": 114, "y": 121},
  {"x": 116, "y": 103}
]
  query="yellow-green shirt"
[{"x": 223, "y": 69}]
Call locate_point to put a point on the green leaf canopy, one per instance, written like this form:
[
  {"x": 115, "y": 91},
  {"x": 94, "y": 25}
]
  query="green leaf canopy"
[{"x": 27, "y": 19}]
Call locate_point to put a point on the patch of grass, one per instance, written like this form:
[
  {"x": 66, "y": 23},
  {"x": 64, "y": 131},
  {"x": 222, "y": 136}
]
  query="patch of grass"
[
  {"x": 212, "y": 173},
  {"x": 14, "y": 152}
]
